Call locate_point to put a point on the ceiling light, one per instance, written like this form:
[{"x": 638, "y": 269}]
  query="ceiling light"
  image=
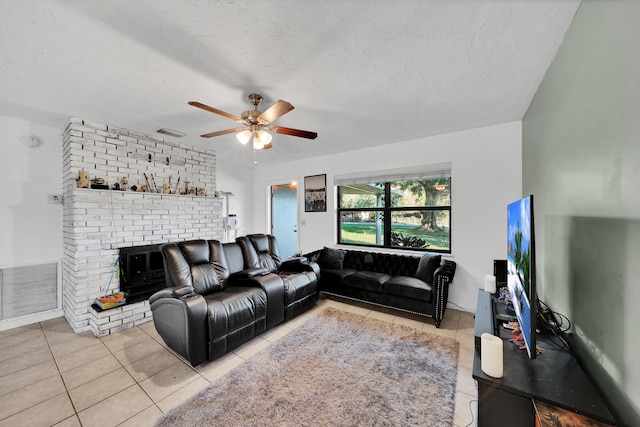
[
  {"x": 264, "y": 137},
  {"x": 244, "y": 136},
  {"x": 257, "y": 145}
]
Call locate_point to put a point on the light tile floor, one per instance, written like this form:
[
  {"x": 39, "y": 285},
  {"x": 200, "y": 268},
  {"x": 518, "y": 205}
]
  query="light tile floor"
[{"x": 51, "y": 376}]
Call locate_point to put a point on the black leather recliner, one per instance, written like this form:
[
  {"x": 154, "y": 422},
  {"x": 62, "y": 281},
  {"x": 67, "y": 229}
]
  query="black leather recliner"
[
  {"x": 218, "y": 297},
  {"x": 300, "y": 278}
]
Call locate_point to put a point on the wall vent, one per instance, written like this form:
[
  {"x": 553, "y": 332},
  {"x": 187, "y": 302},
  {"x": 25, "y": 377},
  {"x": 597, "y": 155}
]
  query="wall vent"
[
  {"x": 171, "y": 132},
  {"x": 28, "y": 290}
]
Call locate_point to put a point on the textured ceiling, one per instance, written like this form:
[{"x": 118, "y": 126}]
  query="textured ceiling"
[{"x": 359, "y": 72}]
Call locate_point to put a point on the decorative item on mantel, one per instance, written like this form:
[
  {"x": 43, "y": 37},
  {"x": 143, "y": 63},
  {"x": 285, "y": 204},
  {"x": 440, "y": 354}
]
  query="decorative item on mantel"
[
  {"x": 83, "y": 179},
  {"x": 98, "y": 184},
  {"x": 150, "y": 186}
]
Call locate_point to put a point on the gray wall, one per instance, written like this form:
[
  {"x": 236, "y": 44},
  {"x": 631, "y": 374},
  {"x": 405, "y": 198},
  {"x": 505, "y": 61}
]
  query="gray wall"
[{"x": 581, "y": 160}]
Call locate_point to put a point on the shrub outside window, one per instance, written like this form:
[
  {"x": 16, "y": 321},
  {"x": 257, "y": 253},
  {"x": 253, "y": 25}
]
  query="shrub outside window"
[{"x": 405, "y": 214}]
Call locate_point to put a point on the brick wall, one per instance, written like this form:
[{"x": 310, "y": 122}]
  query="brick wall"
[{"x": 99, "y": 222}]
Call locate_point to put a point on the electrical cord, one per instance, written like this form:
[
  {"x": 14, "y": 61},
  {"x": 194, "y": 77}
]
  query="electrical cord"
[
  {"x": 553, "y": 323},
  {"x": 461, "y": 309},
  {"x": 471, "y": 410},
  {"x": 556, "y": 315},
  {"x": 116, "y": 264}
]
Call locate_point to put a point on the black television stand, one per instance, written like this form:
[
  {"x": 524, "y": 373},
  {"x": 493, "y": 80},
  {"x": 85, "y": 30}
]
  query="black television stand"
[{"x": 551, "y": 386}]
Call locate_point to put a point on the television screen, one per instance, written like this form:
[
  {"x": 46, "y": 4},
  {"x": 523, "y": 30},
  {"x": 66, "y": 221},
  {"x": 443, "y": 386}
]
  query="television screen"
[{"x": 521, "y": 269}]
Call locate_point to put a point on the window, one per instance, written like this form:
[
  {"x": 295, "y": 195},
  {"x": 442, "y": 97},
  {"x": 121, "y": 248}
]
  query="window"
[{"x": 412, "y": 212}]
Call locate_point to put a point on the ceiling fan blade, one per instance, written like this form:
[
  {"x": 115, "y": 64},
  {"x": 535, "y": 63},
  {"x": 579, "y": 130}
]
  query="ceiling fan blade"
[
  {"x": 278, "y": 109},
  {"x": 222, "y": 132},
  {"x": 294, "y": 132},
  {"x": 215, "y": 111}
]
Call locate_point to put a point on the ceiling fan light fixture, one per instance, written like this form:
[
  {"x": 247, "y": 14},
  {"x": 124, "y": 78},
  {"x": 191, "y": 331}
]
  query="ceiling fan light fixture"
[
  {"x": 255, "y": 120},
  {"x": 244, "y": 136},
  {"x": 264, "y": 137}
]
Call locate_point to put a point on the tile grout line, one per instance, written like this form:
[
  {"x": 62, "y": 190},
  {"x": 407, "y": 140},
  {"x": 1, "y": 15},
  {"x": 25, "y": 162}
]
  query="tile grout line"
[
  {"x": 460, "y": 322},
  {"x": 128, "y": 373},
  {"x": 66, "y": 389}
]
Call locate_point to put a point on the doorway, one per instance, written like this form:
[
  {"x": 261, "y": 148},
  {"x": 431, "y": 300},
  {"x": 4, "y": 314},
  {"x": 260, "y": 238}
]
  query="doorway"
[{"x": 284, "y": 218}]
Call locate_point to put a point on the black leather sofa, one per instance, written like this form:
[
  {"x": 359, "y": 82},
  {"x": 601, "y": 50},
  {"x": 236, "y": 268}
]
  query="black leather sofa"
[
  {"x": 414, "y": 284},
  {"x": 220, "y": 295}
]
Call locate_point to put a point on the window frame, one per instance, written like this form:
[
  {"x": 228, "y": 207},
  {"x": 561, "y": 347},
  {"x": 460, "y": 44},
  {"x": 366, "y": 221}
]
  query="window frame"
[{"x": 387, "y": 211}]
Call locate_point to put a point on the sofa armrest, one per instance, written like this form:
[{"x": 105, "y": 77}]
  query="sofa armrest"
[
  {"x": 442, "y": 278},
  {"x": 171, "y": 292},
  {"x": 299, "y": 265},
  {"x": 248, "y": 273},
  {"x": 293, "y": 262},
  {"x": 313, "y": 256},
  {"x": 447, "y": 269},
  {"x": 181, "y": 321}
]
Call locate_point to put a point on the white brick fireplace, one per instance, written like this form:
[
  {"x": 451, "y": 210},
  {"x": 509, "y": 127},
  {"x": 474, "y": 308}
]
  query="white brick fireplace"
[{"x": 97, "y": 223}]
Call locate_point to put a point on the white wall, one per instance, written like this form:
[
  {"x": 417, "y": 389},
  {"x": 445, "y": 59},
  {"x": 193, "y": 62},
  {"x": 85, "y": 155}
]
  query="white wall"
[
  {"x": 581, "y": 155},
  {"x": 31, "y": 227},
  {"x": 486, "y": 176},
  {"x": 238, "y": 180}
]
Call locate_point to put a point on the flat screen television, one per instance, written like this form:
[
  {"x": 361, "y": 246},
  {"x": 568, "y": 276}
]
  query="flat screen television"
[{"x": 521, "y": 277}]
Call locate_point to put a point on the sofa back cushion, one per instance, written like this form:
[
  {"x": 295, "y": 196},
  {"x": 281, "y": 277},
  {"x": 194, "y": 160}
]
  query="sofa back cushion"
[
  {"x": 332, "y": 259},
  {"x": 203, "y": 274},
  {"x": 235, "y": 259},
  {"x": 428, "y": 265},
  {"x": 188, "y": 264},
  {"x": 177, "y": 270},
  {"x": 379, "y": 262},
  {"x": 218, "y": 260},
  {"x": 266, "y": 247}
]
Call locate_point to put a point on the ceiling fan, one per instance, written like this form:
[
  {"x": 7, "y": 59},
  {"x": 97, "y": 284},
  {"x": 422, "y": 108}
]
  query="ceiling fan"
[{"x": 254, "y": 121}]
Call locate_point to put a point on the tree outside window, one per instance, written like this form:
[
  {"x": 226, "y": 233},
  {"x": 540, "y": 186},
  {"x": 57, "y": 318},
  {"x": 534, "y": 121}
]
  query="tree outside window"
[{"x": 407, "y": 214}]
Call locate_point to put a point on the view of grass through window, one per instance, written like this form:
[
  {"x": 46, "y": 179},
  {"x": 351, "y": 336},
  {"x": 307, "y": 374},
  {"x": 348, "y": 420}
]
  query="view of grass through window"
[{"x": 411, "y": 214}]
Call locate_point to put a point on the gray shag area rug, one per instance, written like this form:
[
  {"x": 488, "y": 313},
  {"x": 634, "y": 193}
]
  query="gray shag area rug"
[{"x": 337, "y": 369}]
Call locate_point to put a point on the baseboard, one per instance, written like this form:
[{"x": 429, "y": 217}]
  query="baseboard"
[{"x": 30, "y": 319}]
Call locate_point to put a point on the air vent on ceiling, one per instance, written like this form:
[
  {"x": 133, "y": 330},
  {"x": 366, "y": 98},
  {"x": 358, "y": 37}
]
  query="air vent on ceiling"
[{"x": 171, "y": 132}]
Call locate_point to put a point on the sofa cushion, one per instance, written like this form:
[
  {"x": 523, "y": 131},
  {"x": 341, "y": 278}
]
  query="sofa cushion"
[
  {"x": 367, "y": 280},
  {"x": 205, "y": 279},
  {"x": 428, "y": 266},
  {"x": 332, "y": 279},
  {"x": 234, "y": 316},
  {"x": 266, "y": 248},
  {"x": 408, "y": 287},
  {"x": 204, "y": 276},
  {"x": 195, "y": 251},
  {"x": 297, "y": 286},
  {"x": 331, "y": 258}
]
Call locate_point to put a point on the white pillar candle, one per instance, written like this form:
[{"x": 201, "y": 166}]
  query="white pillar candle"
[
  {"x": 490, "y": 283},
  {"x": 491, "y": 355}
]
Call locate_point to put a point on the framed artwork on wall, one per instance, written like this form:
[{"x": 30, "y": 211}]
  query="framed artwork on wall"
[{"x": 315, "y": 193}]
